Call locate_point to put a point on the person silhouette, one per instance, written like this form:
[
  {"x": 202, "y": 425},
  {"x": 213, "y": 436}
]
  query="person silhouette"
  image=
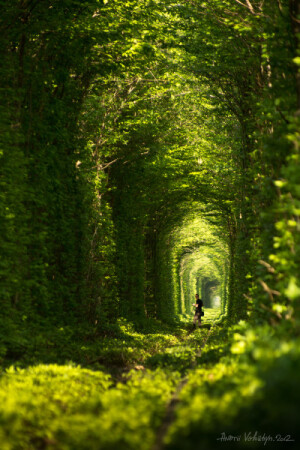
[{"x": 198, "y": 311}]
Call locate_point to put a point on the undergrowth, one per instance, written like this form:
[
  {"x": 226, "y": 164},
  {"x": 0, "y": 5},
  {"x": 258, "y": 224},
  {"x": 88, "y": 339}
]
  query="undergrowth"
[
  {"x": 241, "y": 389},
  {"x": 244, "y": 392},
  {"x": 71, "y": 407}
]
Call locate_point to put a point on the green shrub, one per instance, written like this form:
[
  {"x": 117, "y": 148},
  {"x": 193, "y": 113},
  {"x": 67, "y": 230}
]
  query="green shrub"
[
  {"x": 253, "y": 387},
  {"x": 68, "y": 407}
]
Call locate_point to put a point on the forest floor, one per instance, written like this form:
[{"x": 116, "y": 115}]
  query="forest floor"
[{"x": 166, "y": 387}]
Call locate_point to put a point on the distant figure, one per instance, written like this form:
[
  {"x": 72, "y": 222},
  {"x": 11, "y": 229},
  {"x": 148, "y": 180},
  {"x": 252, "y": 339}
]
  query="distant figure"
[{"x": 198, "y": 311}]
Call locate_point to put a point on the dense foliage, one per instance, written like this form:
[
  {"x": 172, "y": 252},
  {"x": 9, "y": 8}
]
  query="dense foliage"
[{"x": 149, "y": 150}]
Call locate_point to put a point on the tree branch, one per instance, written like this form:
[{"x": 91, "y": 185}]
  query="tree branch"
[{"x": 248, "y": 6}]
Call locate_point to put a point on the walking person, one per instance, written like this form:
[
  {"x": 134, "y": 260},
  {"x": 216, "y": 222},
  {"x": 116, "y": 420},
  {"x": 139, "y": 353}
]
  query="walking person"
[{"x": 198, "y": 311}]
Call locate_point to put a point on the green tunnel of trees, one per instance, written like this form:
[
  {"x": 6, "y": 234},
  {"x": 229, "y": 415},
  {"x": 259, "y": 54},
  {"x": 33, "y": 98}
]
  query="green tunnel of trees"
[{"x": 149, "y": 150}]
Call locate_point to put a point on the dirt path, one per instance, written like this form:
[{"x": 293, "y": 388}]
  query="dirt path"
[{"x": 171, "y": 407}]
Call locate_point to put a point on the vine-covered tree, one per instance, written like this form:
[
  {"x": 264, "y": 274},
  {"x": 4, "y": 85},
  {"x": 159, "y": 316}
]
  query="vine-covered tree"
[{"x": 120, "y": 120}]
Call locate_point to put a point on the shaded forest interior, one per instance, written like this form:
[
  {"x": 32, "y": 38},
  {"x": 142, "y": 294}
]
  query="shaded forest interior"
[{"x": 149, "y": 150}]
